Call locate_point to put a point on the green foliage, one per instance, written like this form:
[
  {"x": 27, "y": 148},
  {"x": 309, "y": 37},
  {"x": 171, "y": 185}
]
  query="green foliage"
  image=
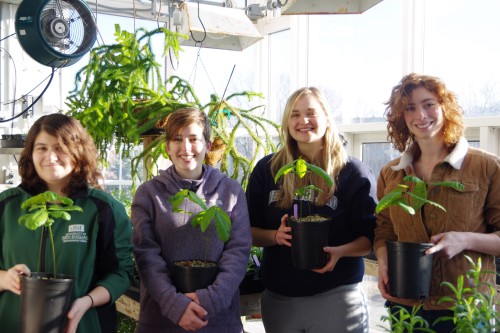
[
  {"x": 125, "y": 324},
  {"x": 120, "y": 95},
  {"x": 403, "y": 321},
  {"x": 412, "y": 198},
  {"x": 473, "y": 310},
  {"x": 300, "y": 168},
  {"x": 256, "y": 253},
  {"x": 43, "y": 210},
  {"x": 206, "y": 216}
]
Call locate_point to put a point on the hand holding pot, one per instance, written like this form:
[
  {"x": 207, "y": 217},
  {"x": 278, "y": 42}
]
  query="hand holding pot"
[
  {"x": 383, "y": 275},
  {"x": 448, "y": 244},
  {"x": 79, "y": 307},
  {"x": 193, "y": 318},
  {"x": 11, "y": 279},
  {"x": 283, "y": 235},
  {"x": 333, "y": 257}
]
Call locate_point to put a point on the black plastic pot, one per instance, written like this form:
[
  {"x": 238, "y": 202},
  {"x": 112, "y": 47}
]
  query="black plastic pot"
[
  {"x": 251, "y": 283},
  {"x": 308, "y": 241},
  {"x": 191, "y": 278},
  {"x": 45, "y": 302},
  {"x": 410, "y": 269}
]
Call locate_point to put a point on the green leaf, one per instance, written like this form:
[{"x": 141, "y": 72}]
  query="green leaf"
[
  {"x": 322, "y": 173},
  {"x": 407, "y": 208},
  {"x": 456, "y": 185},
  {"x": 197, "y": 200},
  {"x": 418, "y": 195},
  {"x": 206, "y": 216},
  {"x": 65, "y": 208},
  {"x": 223, "y": 224},
  {"x": 413, "y": 179},
  {"x": 392, "y": 198},
  {"x": 423, "y": 201},
  {"x": 203, "y": 219},
  {"x": 177, "y": 199},
  {"x": 35, "y": 220},
  {"x": 61, "y": 215},
  {"x": 301, "y": 167},
  {"x": 284, "y": 170}
]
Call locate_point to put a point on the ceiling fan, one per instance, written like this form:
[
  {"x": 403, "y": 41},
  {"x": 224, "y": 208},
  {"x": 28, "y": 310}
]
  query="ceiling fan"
[{"x": 55, "y": 33}]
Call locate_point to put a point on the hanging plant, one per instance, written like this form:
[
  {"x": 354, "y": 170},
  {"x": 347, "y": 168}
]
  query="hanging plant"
[{"x": 120, "y": 96}]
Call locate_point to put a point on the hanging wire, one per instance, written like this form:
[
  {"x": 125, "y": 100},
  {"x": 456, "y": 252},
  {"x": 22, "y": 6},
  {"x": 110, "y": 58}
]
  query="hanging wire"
[
  {"x": 51, "y": 76},
  {"x": 195, "y": 68},
  {"x": 101, "y": 42},
  {"x": 7, "y": 36},
  {"x": 222, "y": 98},
  {"x": 158, "y": 13},
  {"x": 227, "y": 85},
  {"x": 199, "y": 42}
]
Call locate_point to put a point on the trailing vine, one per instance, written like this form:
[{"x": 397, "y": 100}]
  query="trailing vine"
[{"x": 120, "y": 96}]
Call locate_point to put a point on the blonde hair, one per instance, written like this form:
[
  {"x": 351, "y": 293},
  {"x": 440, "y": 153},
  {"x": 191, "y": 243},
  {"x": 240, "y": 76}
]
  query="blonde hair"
[{"x": 332, "y": 159}]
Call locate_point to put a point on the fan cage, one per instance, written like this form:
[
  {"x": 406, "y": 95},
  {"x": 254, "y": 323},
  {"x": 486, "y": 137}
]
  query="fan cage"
[{"x": 67, "y": 27}]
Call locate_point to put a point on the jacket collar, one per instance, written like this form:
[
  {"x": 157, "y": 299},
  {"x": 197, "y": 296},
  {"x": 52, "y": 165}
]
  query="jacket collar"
[{"x": 455, "y": 158}]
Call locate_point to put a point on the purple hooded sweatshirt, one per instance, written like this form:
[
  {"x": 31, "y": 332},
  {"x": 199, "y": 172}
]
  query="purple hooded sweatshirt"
[{"x": 161, "y": 237}]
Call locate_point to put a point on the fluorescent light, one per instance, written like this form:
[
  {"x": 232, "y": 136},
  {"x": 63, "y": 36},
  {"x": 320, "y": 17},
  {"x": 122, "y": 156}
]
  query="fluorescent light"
[
  {"x": 297, "y": 7},
  {"x": 220, "y": 27}
]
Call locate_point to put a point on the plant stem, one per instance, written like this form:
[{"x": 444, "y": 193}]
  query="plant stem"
[
  {"x": 40, "y": 251},
  {"x": 206, "y": 248},
  {"x": 53, "y": 249}
]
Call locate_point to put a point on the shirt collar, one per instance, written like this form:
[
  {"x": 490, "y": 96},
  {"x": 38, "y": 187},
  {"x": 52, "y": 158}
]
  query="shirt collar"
[{"x": 455, "y": 158}]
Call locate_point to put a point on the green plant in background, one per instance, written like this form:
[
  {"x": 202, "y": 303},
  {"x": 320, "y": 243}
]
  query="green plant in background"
[
  {"x": 120, "y": 97},
  {"x": 204, "y": 218},
  {"x": 411, "y": 199},
  {"x": 403, "y": 321},
  {"x": 300, "y": 168},
  {"x": 43, "y": 210},
  {"x": 254, "y": 259},
  {"x": 473, "y": 309},
  {"x": 125, "y": 324}
]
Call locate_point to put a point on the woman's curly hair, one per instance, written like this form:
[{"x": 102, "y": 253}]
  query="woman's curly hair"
[{"x": 398, "y": 132}]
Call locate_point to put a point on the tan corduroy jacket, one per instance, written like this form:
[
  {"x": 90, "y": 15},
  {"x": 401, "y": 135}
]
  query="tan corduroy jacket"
[{"x": 475, "y": 209}]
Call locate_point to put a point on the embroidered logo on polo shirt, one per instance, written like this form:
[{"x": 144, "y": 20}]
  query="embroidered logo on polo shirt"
[{"x": 76, "y": 234}]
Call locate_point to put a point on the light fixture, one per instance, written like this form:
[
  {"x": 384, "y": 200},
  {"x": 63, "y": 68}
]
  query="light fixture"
[
  {"x": 215, "y": 27},
  {"x": 297, "y": 7}
]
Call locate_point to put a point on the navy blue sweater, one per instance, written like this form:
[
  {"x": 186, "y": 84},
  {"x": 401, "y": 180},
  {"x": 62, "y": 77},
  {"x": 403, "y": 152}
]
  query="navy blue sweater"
[{"x": 353, "y": 216}]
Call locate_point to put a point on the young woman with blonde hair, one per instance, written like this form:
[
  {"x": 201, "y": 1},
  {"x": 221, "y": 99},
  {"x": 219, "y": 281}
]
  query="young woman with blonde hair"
[{"x": 327, "y": 299}]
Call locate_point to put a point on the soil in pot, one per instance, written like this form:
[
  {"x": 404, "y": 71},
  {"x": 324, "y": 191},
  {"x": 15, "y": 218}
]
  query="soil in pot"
[
  {"x": 45, "y": 302},
  {"x": 191, "y": 275},
  {"x": 309, "y": 237},
  {"x": 410, "y": 269}
]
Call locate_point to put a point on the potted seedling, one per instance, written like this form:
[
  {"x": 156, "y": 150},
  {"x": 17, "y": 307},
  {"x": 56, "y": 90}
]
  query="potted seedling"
[
  {"x": 409, "y": 268},
  {"x": 198, "y": 273},
  {"x": 309, "y": 231},
  {"x": 252, "y": 282},
  {"x": 45, "y": 296}
]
